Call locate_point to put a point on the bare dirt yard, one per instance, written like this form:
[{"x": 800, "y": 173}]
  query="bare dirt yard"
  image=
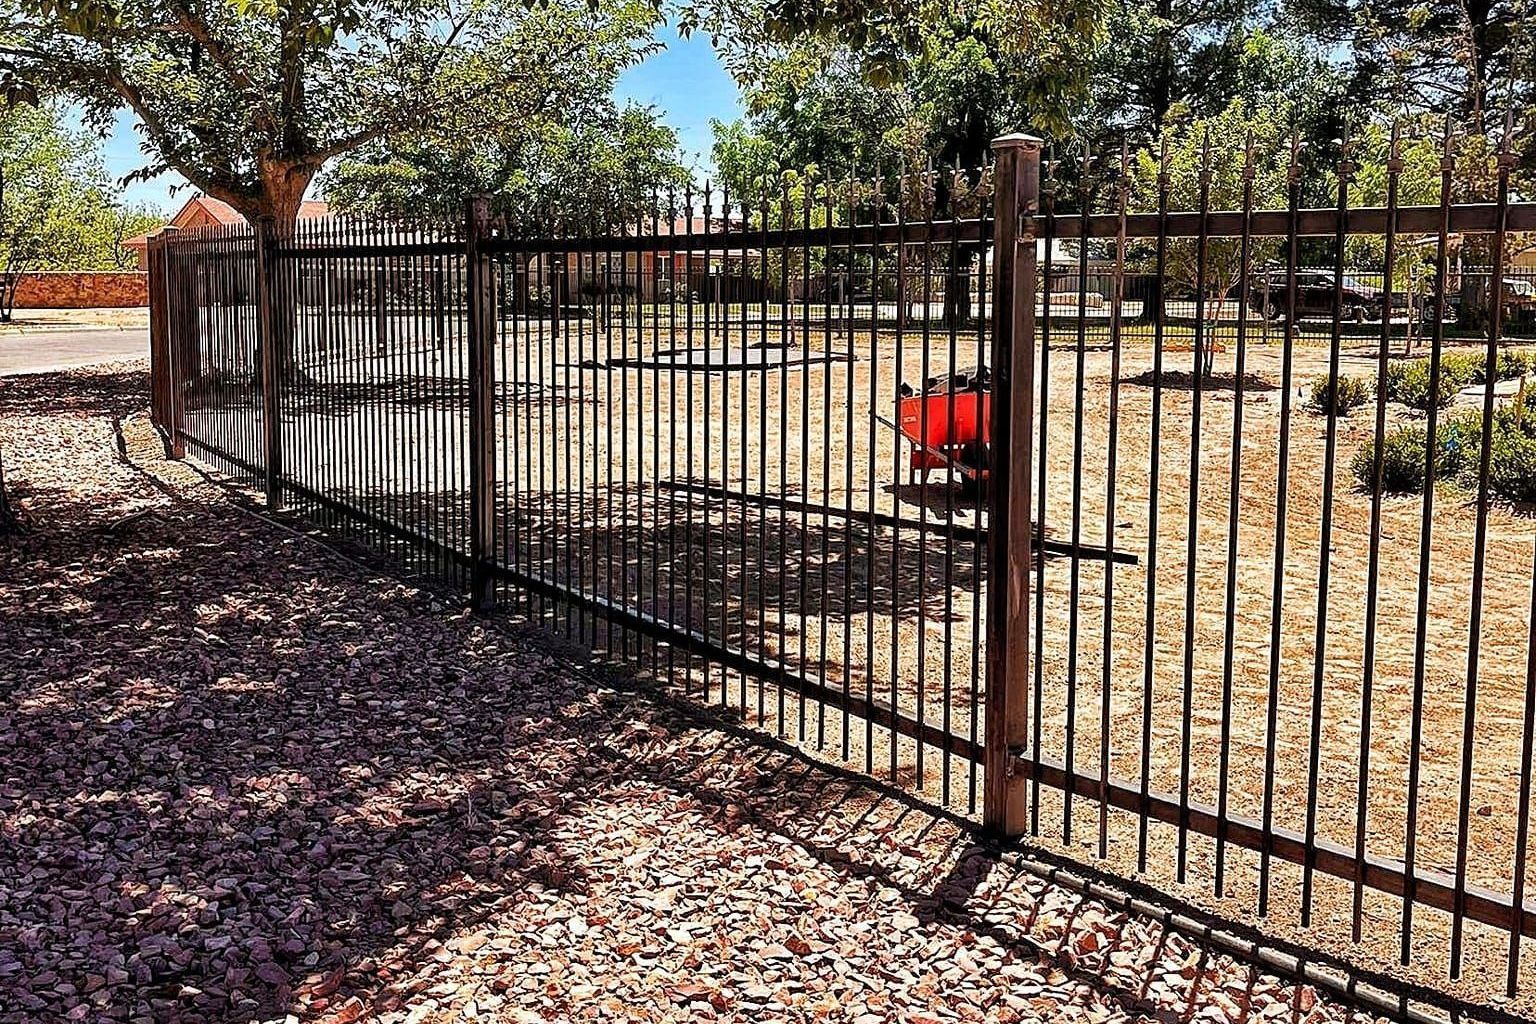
[{"x": 247, "y": 778}]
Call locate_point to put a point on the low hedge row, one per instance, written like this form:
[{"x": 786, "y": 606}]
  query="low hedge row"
[{"x": 1458, "y": 455}]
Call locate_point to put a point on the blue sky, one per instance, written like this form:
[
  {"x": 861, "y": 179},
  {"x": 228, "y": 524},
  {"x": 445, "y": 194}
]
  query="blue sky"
[
  {"x": 688, "y": 85},
  {"x": 685, "y": 82}
]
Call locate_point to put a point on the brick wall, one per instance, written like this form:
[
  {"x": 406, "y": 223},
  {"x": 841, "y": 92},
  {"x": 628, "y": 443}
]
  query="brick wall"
[{"x": 71, "y": 290}]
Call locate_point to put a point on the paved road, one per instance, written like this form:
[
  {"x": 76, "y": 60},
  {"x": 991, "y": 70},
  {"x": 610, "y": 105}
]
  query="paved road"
[{"x": 43, "y": 349}]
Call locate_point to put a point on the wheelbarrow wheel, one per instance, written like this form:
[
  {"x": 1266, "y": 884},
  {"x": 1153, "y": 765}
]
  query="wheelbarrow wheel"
[{"x": 977, "y": 456}]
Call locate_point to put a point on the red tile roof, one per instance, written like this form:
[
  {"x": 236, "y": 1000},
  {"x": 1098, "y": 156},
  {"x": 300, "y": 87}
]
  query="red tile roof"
[{"x": 206, "y": 211}]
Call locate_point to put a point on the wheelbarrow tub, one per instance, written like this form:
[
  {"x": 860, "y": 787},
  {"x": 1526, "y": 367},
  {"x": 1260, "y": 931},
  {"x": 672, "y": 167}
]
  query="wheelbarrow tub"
[{"x": 945, "y": 428}]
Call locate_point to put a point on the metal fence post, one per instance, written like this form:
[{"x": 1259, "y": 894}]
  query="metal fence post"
[
  {"x": 482, "y": 407},
  {"x": 1010, "y": 545},
  {"x": 161, "y": 378},
  {"x": 165, "y": 376},
  {"x": 271, "y": 362},
  {"x": 173, "y": 300}
]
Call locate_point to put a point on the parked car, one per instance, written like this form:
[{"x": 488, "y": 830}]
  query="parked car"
[
  {"x": 1318, "y": 293},
  {"x": 1519, "y": 300},
  {"x": 1466, "y": 301}
]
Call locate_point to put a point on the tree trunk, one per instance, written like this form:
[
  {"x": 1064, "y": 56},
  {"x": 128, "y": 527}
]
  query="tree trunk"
[
  {"x": 10, "y": 522},
  {"x": 957, "y": 289},
  {"x": 275, "y": 214}
]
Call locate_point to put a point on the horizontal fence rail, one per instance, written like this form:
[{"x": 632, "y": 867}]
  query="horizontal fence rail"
[{"x": 1193, "y": 541}]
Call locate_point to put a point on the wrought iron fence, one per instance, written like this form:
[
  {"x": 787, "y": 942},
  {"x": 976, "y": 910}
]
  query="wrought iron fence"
[{"x": 953, "y": 477}]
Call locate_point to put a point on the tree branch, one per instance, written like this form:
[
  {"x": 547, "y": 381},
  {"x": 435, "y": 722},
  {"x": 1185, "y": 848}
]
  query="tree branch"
[{"x": 397, "y": 119}]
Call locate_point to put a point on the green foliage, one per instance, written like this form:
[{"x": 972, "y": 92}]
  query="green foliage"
[
  {"x": 1513, "y": 363},
  {"x": 1342, "y": 394},
  {"x": 1408, "y": 379},
  {"x": 926, "y": 83},
  {"x": 1421, "y": 149},
  {"x": 1402, "y": 461},
  {"x": 1403, "y": 457},
  {"x": 250, "y": 99},
  {"x": 1408, "y": 382},
  {"x": 1461, "y": 437},
  {"x": 1441, "y": 54},
  {"x": 595, "y": 161},
  {"x": 1458, "y": 454},
  {"x": 57, "y": 207},
  {"x": 1217, "y": 142},
  {"x": 1512, "y": 459},
  {"x": 1205, "y": 56},
  {"x": 1511, "y": 455}
]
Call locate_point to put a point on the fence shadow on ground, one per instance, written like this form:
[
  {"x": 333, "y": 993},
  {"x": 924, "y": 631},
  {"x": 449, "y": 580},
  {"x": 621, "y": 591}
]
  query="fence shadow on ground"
[{"x": 366, "y": 778}]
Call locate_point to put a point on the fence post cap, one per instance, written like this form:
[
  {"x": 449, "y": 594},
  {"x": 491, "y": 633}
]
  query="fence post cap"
[{"x": 1018, "y": 140}]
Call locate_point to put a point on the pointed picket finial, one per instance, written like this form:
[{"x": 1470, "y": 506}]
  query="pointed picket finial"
[
  {"x": 1346, "y": 143},
  {"x": 1395, "y": 162},
  {"x": 1293, "y": 169}
]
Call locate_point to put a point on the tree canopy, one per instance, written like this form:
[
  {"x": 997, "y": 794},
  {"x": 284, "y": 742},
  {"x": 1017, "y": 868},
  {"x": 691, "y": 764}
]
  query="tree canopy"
[
  {"x": 249, "y": 100},
  {"x": 915, "y": 82},
  {"x": 598, "y": 161},
  {"x": 58, "y": 208}
]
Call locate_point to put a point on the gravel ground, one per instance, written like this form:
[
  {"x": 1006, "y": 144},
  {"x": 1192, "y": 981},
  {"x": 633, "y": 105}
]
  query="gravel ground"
[{"x": 246, "y": 779}]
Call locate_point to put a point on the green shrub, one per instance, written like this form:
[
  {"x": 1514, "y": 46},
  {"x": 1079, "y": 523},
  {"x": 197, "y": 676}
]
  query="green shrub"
[
  {"x": 1408, "y": 383},
  {"x": 1511, "y": 457},
  {"x": 1461, "y": 438},
  {"x": 1462, "y": 369},
  {"x": 1513, "y": 364},
  {"x": 1521, "y": 363},
  {"x": 1512, "y": 465},
  {"x": 1402, "y": 461},
  {"x": 1344, "y": 395}
]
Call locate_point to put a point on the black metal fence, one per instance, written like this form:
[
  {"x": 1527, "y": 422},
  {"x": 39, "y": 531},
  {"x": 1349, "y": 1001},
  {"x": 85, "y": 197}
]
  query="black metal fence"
[{"x": 1219, "y": 576}]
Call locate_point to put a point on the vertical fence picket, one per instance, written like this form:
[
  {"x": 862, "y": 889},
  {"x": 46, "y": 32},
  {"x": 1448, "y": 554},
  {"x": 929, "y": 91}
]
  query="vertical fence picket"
[
  {"x": 481, "y": 368},
  {"x": 273, "y": 340}
]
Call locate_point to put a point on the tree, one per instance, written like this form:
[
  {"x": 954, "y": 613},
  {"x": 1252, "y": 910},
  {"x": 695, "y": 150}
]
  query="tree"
[
  {"x": 863, "y": 88},
  {"x": 928, "y": 81},
  {"x": 1468, "y": 57},
  {"x": 1150, "y": 69},
  {"x": 601, "y": 161},
  {"x": 249, "y": 100},
  {"x": 1215, "y": 148},
  {"x": 57, "y": 210}
]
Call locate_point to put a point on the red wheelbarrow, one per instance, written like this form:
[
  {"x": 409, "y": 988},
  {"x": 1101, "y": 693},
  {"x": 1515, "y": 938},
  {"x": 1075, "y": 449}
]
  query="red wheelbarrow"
[{"x": 949, "y": 426}]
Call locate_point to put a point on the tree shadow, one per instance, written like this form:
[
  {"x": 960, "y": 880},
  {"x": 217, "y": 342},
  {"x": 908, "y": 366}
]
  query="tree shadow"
[
  {"x": 84, "y": 392},
  {"x": 246, "y": 777},
  {"x": 261, "y": 782}
]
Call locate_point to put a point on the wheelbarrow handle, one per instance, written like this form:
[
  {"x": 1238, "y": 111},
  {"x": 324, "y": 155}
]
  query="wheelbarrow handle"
[{"x": 920, "y": 446}]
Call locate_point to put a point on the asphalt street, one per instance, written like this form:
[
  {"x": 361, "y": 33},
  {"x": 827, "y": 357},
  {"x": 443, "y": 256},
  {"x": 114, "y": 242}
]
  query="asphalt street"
[{"x": 40, "y": 350}]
